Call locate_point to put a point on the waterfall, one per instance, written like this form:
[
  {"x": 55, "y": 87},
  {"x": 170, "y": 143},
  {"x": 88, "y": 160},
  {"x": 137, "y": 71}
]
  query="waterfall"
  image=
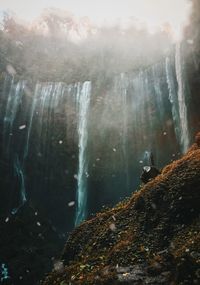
[
  {"x": 177, "y": 97},
  {"x": 45, "y": 99},
  {"x": 141, "y": 105},
  {"x": 184, "y": 130},
  {"x": 172, "y": 96},
  {"x": 46, "y": 130},
  {"x": 13, "y": 102},
  {"x": 83, "y": 99},
  {"x": 48, "y": 97},
  {"x": 20, "y": 174},
  {"x": 26, "y": 147},
  {"x": 158, "y": 90},
  {"x": 123, "y": 93}
]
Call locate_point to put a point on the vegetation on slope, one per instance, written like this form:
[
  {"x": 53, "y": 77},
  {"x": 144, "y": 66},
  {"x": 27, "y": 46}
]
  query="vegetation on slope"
[{"x": 153, "y": 238}]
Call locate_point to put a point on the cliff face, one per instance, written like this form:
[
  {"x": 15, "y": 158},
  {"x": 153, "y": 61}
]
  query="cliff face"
[
  {"x": 192, "y": 64},
  {"x": 29, "y": 246},
  {"x": 153, "y": 238}
]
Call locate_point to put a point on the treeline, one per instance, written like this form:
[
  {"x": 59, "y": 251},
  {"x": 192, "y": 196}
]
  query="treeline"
[{"x": 60, "y": 47}]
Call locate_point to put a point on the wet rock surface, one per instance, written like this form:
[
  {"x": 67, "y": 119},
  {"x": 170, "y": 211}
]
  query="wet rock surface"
[{"x": 153, "y": 238}]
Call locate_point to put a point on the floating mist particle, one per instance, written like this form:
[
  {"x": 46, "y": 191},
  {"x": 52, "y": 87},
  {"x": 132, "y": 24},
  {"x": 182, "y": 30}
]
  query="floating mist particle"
[
  {"x": 71, "y": 204},
  {"x": 22, "y": 127}
]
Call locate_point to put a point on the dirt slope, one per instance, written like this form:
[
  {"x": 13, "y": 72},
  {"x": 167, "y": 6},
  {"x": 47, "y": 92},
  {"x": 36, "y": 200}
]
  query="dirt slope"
[{"x": 153, "y": 238}]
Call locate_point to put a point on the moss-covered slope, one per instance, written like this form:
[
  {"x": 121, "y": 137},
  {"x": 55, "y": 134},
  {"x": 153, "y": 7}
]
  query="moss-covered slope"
[{"x": 153, "y": 238}]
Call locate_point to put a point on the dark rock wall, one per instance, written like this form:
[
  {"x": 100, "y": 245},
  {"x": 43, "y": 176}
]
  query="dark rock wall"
[{"x": 129, "y": 115}]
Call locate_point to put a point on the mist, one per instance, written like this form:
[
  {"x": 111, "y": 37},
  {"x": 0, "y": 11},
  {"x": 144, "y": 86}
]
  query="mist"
[{"x": 58, "y": 46}]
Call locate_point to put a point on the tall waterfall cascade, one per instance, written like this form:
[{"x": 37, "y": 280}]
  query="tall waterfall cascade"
[
  {"x": 177, "y": 97},
  {"x": 121, "y": 95},
  {"x": 69, "y": 142},
  {"x": 13, "y": 102},
  {"x": 173, "y": 96},
  {"x": 184, "y": 129},
  {"x": 20, "y": 173},
  {"x": 41, "y": 108},
  {"x": 83, "y": 99}
]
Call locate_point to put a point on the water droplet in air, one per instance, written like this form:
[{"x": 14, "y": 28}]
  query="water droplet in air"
[
  {"x": 22, "y": 127},
  {"x": 71, "y": 204}
]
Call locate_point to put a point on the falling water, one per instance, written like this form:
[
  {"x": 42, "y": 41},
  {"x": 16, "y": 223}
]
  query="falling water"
[
  {"x": 184, "y": 131},
  {"x": 123, "y": 93},
  {"x": 47, "y": 96},
  {"x": 83, "y": 97},
  {"x": 158, "y": 90},
  {"x": 19, "y": 172},
  {"x": 45, "y": 99},
  {"x": 132, "y": 113},
  {"x": 172, "y": 96},
  {"x": 13, "y": 102},
  {"x": 141, "y": 105},
  {"x": 26, "y": 148}
]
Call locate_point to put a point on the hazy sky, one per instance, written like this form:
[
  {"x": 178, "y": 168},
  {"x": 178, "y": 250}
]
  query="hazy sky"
[{"x": 153, "y": 12}]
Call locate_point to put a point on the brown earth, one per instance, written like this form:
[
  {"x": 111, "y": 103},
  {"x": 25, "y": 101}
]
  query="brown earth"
[{"x": 153, "y": 238}]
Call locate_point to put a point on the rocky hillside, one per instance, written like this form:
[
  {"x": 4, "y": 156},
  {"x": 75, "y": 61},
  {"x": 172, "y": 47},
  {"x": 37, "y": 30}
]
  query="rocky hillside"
[{"x": 153, "y": 238}]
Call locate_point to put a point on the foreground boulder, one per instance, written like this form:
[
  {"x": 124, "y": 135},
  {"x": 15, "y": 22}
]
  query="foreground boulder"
[{"x": 153, "y": 238}]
